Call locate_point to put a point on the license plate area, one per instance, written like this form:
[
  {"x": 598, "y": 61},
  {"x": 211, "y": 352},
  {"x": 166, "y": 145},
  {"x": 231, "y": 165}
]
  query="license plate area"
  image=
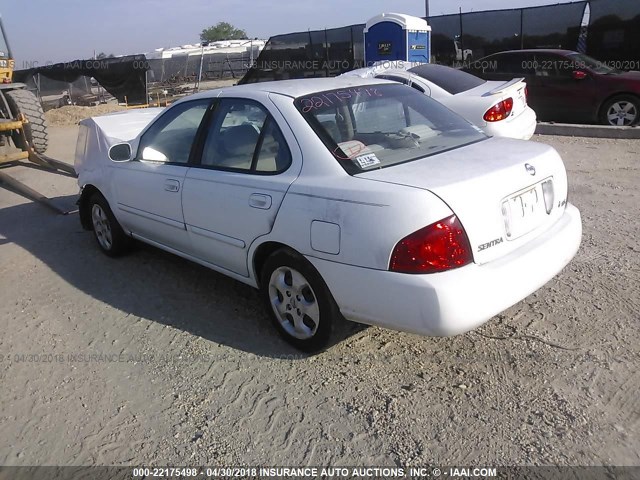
[{"x": 524, "y": 211}]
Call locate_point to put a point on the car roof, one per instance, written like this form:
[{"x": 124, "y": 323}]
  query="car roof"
[
  {"x": 430, "y": 66},
  {"x": 537, "y": 50},
  {"x": 296, "y": 88}
]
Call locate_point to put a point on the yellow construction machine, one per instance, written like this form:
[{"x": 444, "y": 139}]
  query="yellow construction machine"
[{"x": 23, "y": 129}]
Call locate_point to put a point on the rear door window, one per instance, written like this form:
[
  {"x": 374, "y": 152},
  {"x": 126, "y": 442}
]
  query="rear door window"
[{"x": 244, "y": 137}]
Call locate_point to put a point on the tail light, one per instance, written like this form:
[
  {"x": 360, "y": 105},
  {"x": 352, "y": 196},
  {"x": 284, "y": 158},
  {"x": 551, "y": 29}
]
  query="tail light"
[
  {"x": 436, "y": 248},
  {"x": 499, "y": 111}
]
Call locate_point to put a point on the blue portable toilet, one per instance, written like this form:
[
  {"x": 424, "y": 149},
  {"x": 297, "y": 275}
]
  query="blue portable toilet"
[{"x": 397, "y": 37}]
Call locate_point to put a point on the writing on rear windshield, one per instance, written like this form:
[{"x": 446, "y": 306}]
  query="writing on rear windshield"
[{"x": 330, "y": 99}]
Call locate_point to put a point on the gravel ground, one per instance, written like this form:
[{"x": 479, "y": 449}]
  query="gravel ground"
[{"x": 152, "y": 359}]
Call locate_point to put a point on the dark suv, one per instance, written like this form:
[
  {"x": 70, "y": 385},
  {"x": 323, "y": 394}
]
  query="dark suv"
[{"x": 566, "y": 86}]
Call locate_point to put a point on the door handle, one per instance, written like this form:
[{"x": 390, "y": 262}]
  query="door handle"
[
  {"x": 260, "y": 200},
  {"x": 172, "y": 185}
]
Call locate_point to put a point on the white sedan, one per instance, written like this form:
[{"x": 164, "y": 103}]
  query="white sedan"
[
  {"x": 337, "y": 198},
  {"x": 499, "y": 108}
]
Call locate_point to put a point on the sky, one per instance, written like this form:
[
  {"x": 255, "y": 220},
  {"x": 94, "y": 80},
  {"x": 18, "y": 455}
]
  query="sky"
[{"x": 43, "y": 31}]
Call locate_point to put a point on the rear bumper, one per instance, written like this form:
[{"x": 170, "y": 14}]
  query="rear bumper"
[
  {"x": 457, "y": 301},
  {"x": 521, "y": 127}
]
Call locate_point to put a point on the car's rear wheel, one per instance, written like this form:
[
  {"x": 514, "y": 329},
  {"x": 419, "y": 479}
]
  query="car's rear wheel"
[
  {"x": 299, "y": 302},
  {"x": 110, "y": 236},
  {"x": 621, "y": 111}
]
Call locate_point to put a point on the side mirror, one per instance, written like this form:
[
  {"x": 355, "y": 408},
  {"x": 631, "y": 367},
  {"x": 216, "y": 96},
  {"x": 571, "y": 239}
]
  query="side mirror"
[
  {"x": 579, "y": 75},
  {"x": 120, "y": 152},
  {"x": 152, "y": 155}
]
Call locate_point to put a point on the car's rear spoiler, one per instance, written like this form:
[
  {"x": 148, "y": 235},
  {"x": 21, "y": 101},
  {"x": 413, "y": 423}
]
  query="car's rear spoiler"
[{"x": 504, "y": 87}]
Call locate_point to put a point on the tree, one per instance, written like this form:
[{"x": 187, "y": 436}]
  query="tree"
[
  {"x": 102, "y": 56},
  {"x": 222, "y": 31}
]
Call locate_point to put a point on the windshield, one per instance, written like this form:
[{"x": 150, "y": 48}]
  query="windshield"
[
  {"x": 449, "y": 79},
  {"x": 376, "y": 126},
  {"x": 581, "y": 61}
]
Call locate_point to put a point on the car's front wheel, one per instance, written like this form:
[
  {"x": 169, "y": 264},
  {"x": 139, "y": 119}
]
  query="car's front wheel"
[
  {"x": 621, "y": 111},
  {"x": 110, "y": 236},
  {"x": 299, "y": 302}
]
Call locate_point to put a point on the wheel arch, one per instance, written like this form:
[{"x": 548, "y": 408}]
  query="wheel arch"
[
  {"x": 264, "y": 251},
  {"x": 83, "y": 205}
]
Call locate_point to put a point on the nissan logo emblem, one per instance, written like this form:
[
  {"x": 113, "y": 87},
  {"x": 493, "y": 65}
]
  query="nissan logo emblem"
[{"x": 531, "y": 170}]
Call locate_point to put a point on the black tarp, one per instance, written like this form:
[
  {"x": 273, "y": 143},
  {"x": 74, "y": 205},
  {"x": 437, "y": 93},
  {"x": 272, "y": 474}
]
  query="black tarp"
[
  {"x": 484, "y": 33},
  {"x": 317, "y": 53},
  {"x": 121, "y": 77},
  {"x": 489, "y": 32},
  {"x": 444, "y": 30},
  {"x": 614, "y": 33},
  {"x": 553, "y": 26}
]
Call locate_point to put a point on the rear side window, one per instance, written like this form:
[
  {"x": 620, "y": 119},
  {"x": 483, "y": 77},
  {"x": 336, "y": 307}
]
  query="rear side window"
[
  {"x": 449, "y": 79},
  {"x": 244, "y": 137}
]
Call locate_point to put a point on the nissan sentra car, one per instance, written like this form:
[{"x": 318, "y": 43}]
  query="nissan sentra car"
[{"x": 344, "y": 198}]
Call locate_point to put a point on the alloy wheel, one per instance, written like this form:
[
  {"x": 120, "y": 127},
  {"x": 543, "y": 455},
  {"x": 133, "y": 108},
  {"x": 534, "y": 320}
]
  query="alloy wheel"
[
  {"x": 294, "y": 303},
  {"x": 101, "y": 227},
  {"x": 622, "y": 113}
]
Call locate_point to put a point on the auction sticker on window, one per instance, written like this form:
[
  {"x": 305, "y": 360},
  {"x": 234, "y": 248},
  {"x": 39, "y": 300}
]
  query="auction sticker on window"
[{"x": 369, "y": 160}]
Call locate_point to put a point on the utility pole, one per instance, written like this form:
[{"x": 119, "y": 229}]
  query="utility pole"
[
  {"x": 202, "y": 45},
  {"x": 426, "y": 8}
]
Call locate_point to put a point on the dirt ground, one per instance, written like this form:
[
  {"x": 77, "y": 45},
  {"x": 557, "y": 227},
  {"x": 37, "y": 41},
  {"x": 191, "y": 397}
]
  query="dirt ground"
[
  {"x": 152, "y": 359},
  {"x": 72, "y": 114}
]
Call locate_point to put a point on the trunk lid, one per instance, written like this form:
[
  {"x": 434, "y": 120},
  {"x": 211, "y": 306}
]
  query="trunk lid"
[
  {"x": 499, "y": 91},
  {"x": 495, "y": 187}
]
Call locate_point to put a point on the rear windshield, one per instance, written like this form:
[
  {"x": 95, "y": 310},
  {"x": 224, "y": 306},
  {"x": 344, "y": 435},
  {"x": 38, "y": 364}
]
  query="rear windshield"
[
  {"x": 376, "y": 126},
  {"x": 449, "y": 79}
]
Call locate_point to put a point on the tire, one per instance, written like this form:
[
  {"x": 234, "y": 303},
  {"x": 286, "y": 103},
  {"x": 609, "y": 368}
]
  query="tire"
[
  {"x": 621, "y": 111},
  {"x": 293, "y": 291},
  {"x": 111, "y": 238},
  {"x": 25, "y": 102}
]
